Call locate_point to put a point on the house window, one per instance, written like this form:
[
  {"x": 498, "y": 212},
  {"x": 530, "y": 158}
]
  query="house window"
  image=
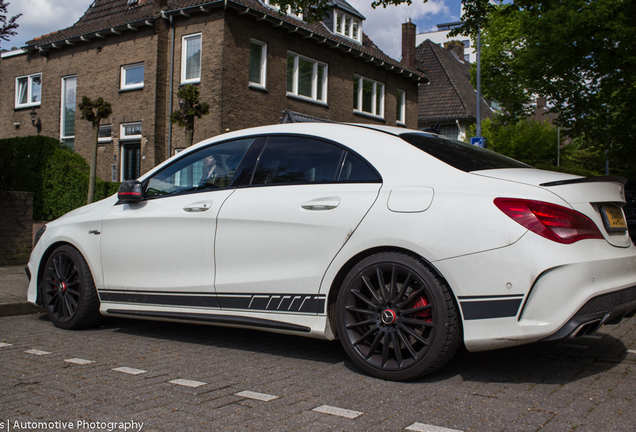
[
  {"x": 105, "y": 134},
  {"x": 400, "y": 116},
  {"x": 67, "y": 111},
  {"x": 132, "y": 76},
  {"x": 449, "y": 131},
  {"x": 306, "y": 78},
  {"x": 258, "y": 63},
  {"x": 347, "y": 25},
  {"x": 28, "y": 91},
  {"x": 191, "y": 59},
  {"x": 368, "y": 96},
  {"x": 130, "y": 131}
]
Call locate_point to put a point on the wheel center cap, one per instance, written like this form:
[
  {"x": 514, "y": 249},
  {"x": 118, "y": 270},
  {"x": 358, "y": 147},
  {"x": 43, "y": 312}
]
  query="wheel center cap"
[
  {"x": 388, "y": 317},
  {"x": 62, "y": 287}
]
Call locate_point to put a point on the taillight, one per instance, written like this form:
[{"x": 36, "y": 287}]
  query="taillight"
[{"x": 554, "y": 222}]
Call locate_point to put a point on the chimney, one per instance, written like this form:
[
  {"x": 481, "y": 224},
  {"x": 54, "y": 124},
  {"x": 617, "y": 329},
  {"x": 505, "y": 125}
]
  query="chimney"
[
  {"x": 408, "y": 44},
  {"x": 456, "y": 47}
]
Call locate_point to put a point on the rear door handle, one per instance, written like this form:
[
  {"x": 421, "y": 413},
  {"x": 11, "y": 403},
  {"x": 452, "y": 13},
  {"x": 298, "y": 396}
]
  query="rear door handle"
[
  {"x": 200, "y": 206},
  {"x": 327, "y": 203}
]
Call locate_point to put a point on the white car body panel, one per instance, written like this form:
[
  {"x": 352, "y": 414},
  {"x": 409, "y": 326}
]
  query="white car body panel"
[
  {"x": 266, "y": 243},
  {"x": 264, "y": 229}
]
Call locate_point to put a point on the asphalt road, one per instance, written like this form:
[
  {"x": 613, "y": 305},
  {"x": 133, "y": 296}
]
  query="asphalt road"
[{"x": 177, "y": 377}]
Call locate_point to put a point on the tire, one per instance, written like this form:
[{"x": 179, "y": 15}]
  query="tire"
[
  {"x": 397, "y": 320},
  {"x": 68, "y": 290}
]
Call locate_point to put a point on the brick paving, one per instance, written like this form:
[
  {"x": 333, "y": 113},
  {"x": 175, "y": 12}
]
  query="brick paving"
[{"x": 199, "y": 378}]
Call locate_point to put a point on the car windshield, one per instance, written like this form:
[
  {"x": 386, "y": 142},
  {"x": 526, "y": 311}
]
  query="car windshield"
[{"x": 460, "y": 155}]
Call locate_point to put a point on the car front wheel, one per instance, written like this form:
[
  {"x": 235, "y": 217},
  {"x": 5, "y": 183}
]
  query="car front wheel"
[
  {"x": 396, "y": 319},
  {"x": 68, "y": 290}
]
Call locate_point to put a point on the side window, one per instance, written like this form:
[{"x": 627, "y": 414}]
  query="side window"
[
  {"x": 298, "y": 160},
  {"x": 355, "y": 170},
  {"x": 206, "y": 169}
]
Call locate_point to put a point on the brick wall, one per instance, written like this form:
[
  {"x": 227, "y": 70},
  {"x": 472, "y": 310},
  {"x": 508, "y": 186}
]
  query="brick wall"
[
  {"x": 224, "y": 84},
  {"x": 16, "y": 221}
]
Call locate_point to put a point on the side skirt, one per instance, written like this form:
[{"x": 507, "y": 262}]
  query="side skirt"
[{"x": 211, "y": 319}]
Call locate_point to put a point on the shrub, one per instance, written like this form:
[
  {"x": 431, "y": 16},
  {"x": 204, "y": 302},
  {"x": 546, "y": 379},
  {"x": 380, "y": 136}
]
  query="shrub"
[{"x": 57, "y": 176}]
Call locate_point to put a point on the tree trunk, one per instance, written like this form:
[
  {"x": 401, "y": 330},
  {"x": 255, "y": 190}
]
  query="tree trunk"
[
  {"x": 93, "y": 172},
  {"x": 189, "y": 136}
]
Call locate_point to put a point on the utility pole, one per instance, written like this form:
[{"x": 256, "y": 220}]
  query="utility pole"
[{"x": 478, "y": 111}]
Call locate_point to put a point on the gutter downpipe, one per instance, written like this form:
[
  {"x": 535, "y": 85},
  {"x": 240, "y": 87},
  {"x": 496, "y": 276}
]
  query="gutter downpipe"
[{"x": 171, "y": 88}]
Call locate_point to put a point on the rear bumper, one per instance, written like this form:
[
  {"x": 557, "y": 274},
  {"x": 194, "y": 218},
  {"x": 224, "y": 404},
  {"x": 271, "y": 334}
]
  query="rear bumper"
[{"x": 609, "y": 308}]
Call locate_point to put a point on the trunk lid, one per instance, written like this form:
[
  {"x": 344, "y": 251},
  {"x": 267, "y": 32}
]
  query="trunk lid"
[{"x": 599, "y": 198}]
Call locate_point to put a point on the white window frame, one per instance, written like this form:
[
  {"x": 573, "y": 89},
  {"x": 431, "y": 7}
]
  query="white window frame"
[
  {"x": 184, "y": 52},
  {"x": 400, "y": 115},
  {"x": 276, "y": 7},
  {"x": 342, "y": 30},
  {"x": 263, "y": 65},
  {"x": 108, "y": 138},
  {"x": 314, "y": 79},
  {"x": 63, "y": 105},
  {"x": 124, "y": 72},
  {"x": 132, "y": 137},
  {"x": 29, "y": 90},
  {"x": 358, "y": 106}
]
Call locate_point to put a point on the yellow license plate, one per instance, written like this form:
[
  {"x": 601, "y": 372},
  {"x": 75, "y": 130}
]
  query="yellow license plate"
[{"x": 613, "y": 218}]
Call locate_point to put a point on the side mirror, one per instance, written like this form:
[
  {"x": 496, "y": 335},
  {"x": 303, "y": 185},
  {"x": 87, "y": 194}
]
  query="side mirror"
[{"x": 130, "y": 191}]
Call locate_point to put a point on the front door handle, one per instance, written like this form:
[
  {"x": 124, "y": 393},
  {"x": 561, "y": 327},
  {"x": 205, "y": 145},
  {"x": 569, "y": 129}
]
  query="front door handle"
[
  {"x": 327, "y": 203},
  {"x": 200, "y": 206}
]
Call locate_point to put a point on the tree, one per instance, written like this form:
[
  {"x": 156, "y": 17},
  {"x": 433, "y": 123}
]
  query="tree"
[
  {"x": 189, "y": 110},
  {"x": 7, "y": 28},
  {"x": 578, "y": 54},
  {"x": 94, "y": 112}
]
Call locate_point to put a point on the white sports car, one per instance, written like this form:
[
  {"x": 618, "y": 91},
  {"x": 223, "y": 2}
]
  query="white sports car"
[{"x": 402, "y": 244}]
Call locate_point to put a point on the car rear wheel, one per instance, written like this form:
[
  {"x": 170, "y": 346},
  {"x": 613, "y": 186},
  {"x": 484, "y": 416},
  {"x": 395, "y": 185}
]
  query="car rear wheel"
[
  {"x": 68, "y": 290},
  {"x": 396, "y": 319}
]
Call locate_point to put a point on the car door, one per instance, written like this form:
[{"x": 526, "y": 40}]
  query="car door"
[
  {"x": 278, "y": 233},
  {"x": 165, "y": 243}
]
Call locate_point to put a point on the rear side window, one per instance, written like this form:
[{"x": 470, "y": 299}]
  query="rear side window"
[
  {"x": 299, "y": 160},
  {"x": 460, "y": 155}
]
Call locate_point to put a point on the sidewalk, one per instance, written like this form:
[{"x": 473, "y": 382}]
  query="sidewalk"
[{"x": 13, "y": 291}]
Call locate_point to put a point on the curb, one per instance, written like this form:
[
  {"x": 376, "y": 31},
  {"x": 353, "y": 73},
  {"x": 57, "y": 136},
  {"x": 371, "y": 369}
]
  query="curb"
[{"x": 22, "y": 308}]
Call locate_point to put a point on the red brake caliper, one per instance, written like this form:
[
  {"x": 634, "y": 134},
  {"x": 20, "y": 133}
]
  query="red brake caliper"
[{"x": 424, "y": 314}]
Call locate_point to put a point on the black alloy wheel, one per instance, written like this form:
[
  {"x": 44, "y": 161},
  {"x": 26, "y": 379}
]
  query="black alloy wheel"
[
  {"x": 396, "y": 319},
  {"x": 68, "y": 290}
]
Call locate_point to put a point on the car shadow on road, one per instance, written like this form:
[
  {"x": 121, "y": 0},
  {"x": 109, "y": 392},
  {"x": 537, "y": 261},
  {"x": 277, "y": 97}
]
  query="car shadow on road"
[{"x": 555, "y": 362}]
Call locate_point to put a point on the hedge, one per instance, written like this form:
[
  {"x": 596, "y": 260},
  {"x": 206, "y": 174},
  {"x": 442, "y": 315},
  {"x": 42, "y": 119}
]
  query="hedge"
[{"x": 57, "y": 176}]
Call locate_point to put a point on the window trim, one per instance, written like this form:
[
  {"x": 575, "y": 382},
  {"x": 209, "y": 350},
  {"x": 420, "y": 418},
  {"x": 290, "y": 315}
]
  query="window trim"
[
  {"x": 29, "y": 90},
  {"x": 314, "y": 79},
  {"x": 263, "y": 66},
  {"x": 400, "y": 115},
  {"x": 357, "y": 108},
  {"x": 184, "y": 59},
  {"x": 342, "y": 31},
  {"x": 122, "y": 132},
  {"x": 62, "y": 106},
  {"x": 123, "y": 73}
]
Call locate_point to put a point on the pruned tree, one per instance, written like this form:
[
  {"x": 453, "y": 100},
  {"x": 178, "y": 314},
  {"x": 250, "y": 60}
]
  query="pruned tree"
[
  {"x": 7, "y": 28},
  {"x": 94, "y": 112},
  {"x": 190, "y": 108}
]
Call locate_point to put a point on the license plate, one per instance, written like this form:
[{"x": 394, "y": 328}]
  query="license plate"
[{"x": 613, "y": 218}]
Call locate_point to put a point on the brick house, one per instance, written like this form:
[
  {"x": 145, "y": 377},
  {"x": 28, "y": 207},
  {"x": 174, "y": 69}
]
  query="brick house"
[
  {"x": 449, "y": 99},
  {"x": 253, "y": 66}
]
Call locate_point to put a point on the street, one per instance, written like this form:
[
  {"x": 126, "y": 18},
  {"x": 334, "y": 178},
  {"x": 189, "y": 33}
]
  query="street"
[{"x": 152, "y": 376}]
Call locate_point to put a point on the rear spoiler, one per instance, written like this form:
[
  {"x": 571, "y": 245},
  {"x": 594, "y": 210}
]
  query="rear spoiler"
[{"x": 604, "y": 179}]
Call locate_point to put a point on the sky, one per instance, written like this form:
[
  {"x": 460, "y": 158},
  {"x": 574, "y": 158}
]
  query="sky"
[{"x": 383, "y": 26}]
